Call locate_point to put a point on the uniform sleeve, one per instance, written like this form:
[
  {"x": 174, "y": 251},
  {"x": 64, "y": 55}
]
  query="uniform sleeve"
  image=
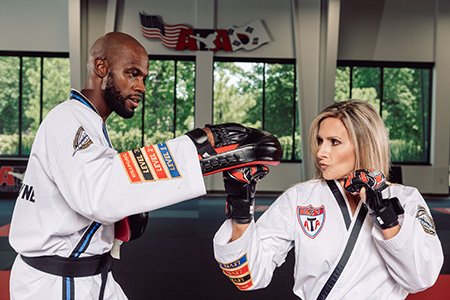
[
  {"x": 250, "y": 261},
  {"x": 106, "y": 186},
  {"x": 414, "y": 256}
]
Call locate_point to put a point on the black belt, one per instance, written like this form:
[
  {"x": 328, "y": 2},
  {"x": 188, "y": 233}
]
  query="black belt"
[{"x": 74, "y": 267}]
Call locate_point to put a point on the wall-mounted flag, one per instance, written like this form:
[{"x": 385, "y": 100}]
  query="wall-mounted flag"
[{"x": 183, "y": 37}]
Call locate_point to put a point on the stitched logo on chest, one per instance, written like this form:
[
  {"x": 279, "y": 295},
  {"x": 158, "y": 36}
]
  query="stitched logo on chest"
[{"x": 311, "y": 219}]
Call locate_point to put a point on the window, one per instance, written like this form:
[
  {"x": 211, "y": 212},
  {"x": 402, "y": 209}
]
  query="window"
[
  {"x": 262, "y": 95},
  {"x": 401, "y": 92},
  {"x": 24, "y": 80},
  {"x": 32, "y": 84},
  {"x": 167, "y": 109}
]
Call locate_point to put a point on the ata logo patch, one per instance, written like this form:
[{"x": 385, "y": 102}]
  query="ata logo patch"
[
  {"x": 425, "y": 220},
  {"x": 81, "y": 140},
  {"x": 311, "y": 219}
]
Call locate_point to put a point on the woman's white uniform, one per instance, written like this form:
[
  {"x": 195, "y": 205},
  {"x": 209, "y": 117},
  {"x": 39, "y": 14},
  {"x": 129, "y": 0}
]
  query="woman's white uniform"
[
  {"x": 77, "y": 186},
  {"x": 308, "y": 218}
]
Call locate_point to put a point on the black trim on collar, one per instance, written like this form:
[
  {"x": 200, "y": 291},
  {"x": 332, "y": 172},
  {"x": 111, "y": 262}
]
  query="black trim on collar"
[
  {"x": 341, "y": 202},
  {"x": 74, "y": 94}
]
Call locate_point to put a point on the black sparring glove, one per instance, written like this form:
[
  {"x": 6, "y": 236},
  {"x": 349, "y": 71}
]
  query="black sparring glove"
[
  {"x": 235, "y": 146},
  {"x": 383, "y": 209},
  {"x": 240, "y": 185}
]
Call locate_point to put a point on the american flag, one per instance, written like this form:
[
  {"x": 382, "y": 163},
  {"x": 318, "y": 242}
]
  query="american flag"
[{"x": 153, "y": 28}]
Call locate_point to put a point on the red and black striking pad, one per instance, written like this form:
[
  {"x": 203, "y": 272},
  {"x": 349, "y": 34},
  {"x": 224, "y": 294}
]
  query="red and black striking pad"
[
  {"x": 235, "y": 146},
  {"x": 131, "y": 228}
]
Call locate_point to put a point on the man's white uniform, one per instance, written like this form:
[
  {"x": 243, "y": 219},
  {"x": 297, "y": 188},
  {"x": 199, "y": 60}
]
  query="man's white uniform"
[
  {"x": 308, "y": 218},
  {"x": 77, "y": 186}
]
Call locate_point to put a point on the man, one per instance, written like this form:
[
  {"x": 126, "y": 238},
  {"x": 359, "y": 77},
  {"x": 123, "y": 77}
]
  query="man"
[{"x": 77, "y": 187}]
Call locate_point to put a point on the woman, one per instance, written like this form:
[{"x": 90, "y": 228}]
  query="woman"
[{"x": 340, "y": 253}]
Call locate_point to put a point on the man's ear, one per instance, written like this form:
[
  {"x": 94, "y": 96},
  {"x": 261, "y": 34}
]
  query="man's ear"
[{"x": 101, "y": 67}]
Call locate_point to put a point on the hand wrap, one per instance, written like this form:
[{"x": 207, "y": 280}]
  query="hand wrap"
[
  {"x": 383, "y": 209},
  {"x": 240, "y": 185},
  {"x": 235, "y": 146}
]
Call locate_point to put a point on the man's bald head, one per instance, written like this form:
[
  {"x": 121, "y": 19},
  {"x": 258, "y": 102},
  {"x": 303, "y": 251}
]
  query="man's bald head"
[
  {"x": 116, "y": 72},
  {"x": 113, "y": 45}
]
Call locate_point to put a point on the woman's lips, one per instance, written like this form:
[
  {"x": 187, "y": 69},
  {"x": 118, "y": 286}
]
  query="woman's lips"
[{"x": 323, "y": 166}]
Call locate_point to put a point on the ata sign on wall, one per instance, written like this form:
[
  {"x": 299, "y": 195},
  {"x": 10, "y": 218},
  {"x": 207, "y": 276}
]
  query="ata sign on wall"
[
  {"x": 10, "y": 178},
  {"x": 182, "y": 37}
]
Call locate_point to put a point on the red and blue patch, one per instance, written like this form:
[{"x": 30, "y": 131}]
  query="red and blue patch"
[
  {"x": 238, "y": 272},
  {"x": 149, "y": 163},
  {"x": 311, "y": 219}
]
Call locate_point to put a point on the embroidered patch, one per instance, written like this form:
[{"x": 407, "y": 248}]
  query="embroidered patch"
[
  {"x": 425, "y": 220},
  {"x": 149, "y": 163},
  {"x": 143, "y": 165},
  {"x": 238, "y": 272},
  {"x": 311, "y": 219},
  {"x": 81, "y": 140},
  {"x": 152, "y": 154},
  {"x": 130, "y": 167},
  {"x": 170, "y": 163}
]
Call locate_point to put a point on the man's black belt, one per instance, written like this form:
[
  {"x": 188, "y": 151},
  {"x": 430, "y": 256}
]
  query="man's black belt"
[{"x": 73, "y": 267}]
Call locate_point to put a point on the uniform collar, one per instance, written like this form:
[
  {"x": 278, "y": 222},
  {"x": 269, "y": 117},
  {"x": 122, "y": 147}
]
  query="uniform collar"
[{"x": 76, "y": 95}]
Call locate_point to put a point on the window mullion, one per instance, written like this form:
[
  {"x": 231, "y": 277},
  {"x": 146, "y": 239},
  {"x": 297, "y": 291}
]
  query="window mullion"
[
  {"x": 41, "y": 92},
  {"x": 20, "y": 104},
  {"x": 175, "y": 97},
  {"x": 264, "y": 97}
]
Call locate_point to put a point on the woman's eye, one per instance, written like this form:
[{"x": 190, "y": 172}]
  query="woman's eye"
[
  {"x": 335, "y": 142},
  {"x": 319, "y": 141}
]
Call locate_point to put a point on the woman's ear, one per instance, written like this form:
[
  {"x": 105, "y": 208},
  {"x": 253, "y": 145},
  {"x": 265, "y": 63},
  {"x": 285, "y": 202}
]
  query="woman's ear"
[{"x": 101, "y": 67}]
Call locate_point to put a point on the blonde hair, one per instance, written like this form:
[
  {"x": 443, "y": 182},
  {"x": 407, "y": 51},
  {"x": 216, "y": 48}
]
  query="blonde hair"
[{"x": 365, "y": 129}]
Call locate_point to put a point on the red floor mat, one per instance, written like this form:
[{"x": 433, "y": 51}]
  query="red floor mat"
[
  {"x": 440, "y": 290},
  {"x": 4, "y": 285},
  {"x": 4, "y": 230}
]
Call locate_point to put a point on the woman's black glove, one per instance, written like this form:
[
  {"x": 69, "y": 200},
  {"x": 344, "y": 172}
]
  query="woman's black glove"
[
  {"x": 240, "y": 185},
  {"x": 383, "y": 209}
]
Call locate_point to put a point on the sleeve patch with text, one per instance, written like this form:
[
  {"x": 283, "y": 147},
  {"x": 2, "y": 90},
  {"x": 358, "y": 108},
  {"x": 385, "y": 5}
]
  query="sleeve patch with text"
[
  {"x": 149, "y": 163},
  {"x": 238, "y": 272}
]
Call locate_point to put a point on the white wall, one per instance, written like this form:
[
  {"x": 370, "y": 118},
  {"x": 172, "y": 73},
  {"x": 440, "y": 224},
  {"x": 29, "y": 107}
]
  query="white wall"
[
  {"x": 392, "y": 30},
  {"x": 27, "y": 25},
  {"x": 301, "y": 29}
]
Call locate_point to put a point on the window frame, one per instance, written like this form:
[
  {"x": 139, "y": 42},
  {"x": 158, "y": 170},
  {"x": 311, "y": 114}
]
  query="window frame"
[
  {"x": 175, "y": 59},
  {"x": 295, "y": 95},
  {"x": 21, "y": 55},
  {"x": 396, "y": 64}
]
